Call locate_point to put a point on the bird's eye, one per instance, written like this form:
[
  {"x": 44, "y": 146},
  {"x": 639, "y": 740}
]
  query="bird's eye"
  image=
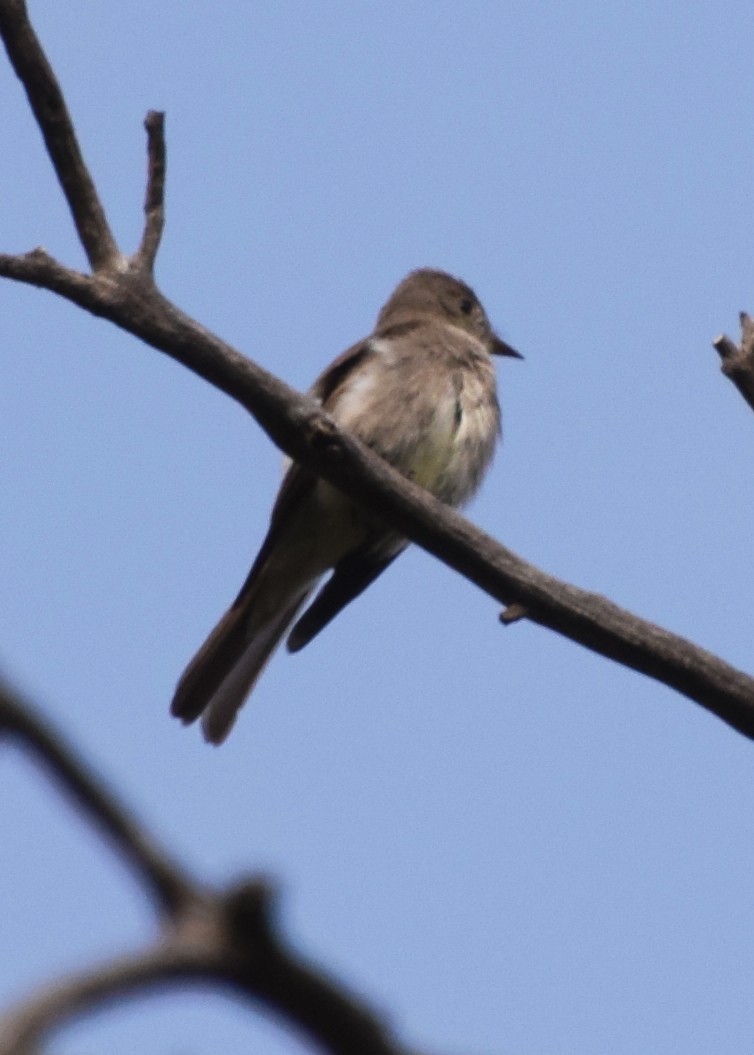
[{"x": 467, "y": 306}]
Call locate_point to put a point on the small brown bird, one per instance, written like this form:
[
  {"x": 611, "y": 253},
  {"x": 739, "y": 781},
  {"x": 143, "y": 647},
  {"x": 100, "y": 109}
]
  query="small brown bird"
[{"x": 421, "y": 392}]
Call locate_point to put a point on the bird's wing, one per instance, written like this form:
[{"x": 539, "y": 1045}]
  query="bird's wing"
[
  {"x": 351, "y": 577},
  {"x": 331, "y": 382},
  {"x": 359, "y": 569},
  {"x": 298, "y": 481},
  {"x": 223, "y": 650}
]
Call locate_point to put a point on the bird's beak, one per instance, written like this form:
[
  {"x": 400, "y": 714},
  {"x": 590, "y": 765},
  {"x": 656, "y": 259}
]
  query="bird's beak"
[{"x": 499, "y": 347}]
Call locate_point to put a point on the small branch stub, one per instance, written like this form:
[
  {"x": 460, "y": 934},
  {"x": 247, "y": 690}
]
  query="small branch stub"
[
  {"x": 513, "y": 613},
  {"x": 738, "y": 360},
  {"x": 726, "y": 348}
]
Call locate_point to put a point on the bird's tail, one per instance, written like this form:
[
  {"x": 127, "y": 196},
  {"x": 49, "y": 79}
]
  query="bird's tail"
[{"x": 225, "y": 669}]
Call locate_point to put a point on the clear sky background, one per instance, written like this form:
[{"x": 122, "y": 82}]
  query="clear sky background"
[{"x": 505, "y": 843}]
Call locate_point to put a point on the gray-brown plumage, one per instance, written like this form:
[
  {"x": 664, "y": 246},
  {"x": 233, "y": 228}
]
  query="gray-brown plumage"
[{"x": 421, "y": 392}]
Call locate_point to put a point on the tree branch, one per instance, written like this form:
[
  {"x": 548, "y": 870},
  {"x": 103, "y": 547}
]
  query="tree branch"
[
  {"x": 128, "y": 297},
  {"x": 164, "y": 880},
  {"x": 48, "y": 105},
  {"x": 738, "y": 362},
  {"x": 226, "y": 937},
  {"x": 154, "y": 204}
]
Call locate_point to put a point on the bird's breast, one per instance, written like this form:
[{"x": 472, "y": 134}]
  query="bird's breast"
[{"x": 434, "y": 417}]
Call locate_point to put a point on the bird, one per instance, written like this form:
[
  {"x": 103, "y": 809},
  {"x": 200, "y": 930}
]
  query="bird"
[{"x": 421, "y": 392}]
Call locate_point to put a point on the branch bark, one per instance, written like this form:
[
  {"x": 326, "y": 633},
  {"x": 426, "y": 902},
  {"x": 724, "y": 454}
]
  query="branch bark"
[{"x": 122, "y": 290}]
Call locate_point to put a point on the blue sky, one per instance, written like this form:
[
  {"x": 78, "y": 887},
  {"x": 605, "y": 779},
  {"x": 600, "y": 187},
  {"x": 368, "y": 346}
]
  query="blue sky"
[{"x": 504, "y": 842}]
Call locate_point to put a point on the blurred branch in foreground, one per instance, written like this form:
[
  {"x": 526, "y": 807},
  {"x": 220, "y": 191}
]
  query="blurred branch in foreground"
[{"x": 227, "y": 938}]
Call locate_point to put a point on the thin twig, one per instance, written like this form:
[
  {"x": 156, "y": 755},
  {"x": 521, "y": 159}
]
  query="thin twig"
[
  {"x": 47, "y": 102},
  {"x": 154, "y": 203},
  {"x": 168, "y": 885}
]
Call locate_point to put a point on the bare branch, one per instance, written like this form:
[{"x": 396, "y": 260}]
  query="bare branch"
[
  {"x": 47, "y": 102},
  {"x": 162, "y": 878},
  {"x": 154, "y": 204},
  {"x": 738, "y": 362}
]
